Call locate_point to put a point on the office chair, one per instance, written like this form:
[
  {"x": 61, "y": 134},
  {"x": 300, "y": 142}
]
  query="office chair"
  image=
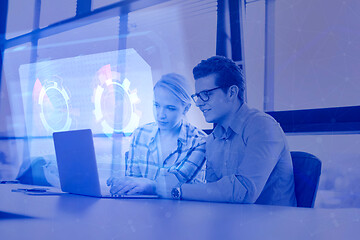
[
  {"x": 307, "y": 170},
  {"x": 32, "y": 172}
]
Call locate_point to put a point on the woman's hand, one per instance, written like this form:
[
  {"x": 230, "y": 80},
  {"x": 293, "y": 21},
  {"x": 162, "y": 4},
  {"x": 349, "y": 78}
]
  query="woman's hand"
[{"x": 131, "y": 185}]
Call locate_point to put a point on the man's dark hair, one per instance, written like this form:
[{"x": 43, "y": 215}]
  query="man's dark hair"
[{"x": 226, "y": 70}]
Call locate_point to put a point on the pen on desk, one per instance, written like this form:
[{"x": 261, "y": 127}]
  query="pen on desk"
[
  {"x": 36, "y": 190},
  {"x": 9, "y": 181},
  {"x": 39, "y": 190}
]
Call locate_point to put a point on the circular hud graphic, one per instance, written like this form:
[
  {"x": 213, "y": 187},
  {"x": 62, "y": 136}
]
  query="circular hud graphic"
[
  {"x": 115, "y": 107},
  {"x": 54, "y": 105}
]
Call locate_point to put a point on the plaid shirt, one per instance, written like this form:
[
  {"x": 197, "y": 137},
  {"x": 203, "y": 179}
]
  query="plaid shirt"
[{"x": 144, "y": 157}]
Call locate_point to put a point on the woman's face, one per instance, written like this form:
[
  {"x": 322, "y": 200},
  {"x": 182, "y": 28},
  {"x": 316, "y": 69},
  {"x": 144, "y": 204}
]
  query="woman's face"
[{"x": 168, "y": 109}]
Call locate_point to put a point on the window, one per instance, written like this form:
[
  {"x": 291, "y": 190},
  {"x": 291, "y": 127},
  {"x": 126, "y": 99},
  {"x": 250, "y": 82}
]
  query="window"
[
  {"x": 17, "y": 25},
  {"x": 55, "y": 11},
  {"x": 52, "y": 76},
  {"x": 316, "y": 54}
]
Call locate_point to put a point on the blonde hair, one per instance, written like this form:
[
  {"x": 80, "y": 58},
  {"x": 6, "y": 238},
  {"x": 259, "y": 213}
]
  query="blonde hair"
[{"x": 177, "y": 84}]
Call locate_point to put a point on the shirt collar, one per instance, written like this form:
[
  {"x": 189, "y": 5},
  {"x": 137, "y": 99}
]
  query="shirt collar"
[
  {"x": 235, "y": 125},
  {"x": 184, "y": 133}
]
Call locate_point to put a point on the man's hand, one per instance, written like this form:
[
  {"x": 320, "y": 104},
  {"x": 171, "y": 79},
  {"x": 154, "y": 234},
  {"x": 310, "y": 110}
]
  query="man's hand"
[
  {"x": 165, "y": 183},
  {"x": 131, "y": 185}
]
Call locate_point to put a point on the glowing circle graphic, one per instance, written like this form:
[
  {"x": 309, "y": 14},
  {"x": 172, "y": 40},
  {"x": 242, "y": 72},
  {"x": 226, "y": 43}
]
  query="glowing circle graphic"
[
  {"x": 54, "y": 105},
  {"x": 115, "y": 107}
]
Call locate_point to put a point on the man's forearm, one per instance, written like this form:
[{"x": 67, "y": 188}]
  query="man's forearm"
[{"x": 220, "y": 191}]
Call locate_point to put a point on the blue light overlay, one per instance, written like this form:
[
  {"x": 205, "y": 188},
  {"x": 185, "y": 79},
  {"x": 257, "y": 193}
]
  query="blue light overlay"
[{"x": 179, "y": 119}]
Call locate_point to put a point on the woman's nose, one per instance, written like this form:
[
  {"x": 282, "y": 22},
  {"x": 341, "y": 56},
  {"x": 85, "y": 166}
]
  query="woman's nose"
[{"x": 161, "y": 113}]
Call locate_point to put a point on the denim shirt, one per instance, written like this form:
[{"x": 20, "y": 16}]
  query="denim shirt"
[{"x": 250, "y": 160}]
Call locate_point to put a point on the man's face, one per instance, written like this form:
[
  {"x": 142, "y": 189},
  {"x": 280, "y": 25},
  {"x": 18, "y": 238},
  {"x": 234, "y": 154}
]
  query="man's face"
[{"x": 216, "y": 108}]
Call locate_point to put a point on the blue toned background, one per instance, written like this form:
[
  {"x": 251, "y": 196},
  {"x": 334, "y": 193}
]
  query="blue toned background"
[{"x": 296, "y": 55}]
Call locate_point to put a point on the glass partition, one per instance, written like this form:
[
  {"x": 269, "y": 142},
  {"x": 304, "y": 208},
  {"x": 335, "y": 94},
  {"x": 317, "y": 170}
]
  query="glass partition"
[{"x": 96, "y": 72}]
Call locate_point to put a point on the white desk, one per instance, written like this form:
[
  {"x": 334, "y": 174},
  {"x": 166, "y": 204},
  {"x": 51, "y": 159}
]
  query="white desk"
[{"x": 77, "y": 217}]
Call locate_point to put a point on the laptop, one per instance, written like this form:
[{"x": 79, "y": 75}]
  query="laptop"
[{"x": 76, "y": 160}]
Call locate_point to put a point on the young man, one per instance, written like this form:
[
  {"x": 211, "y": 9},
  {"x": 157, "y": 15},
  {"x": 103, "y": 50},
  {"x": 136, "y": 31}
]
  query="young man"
[{"x": 248, "y": 159}]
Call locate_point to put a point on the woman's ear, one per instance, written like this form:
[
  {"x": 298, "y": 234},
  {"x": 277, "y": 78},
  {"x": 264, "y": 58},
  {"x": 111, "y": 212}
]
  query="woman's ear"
[{"x": 187, "y": 107}]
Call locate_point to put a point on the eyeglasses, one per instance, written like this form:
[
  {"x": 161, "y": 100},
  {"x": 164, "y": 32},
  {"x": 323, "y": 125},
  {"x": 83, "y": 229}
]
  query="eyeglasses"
[{"x": 203, "y": 95}]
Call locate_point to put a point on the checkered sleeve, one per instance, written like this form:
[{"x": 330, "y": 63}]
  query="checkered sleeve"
[
  {"x": 192, "y": 161},
  {"x": 131, "y": 166}
]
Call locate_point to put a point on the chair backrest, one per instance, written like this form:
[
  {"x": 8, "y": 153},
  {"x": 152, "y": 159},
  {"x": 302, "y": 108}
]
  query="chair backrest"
[
  {"x": 32, "y": 172},
  {"x": 307, "y": 170}
]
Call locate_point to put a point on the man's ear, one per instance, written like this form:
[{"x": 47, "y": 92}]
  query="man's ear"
[
  {"x": 233, "y": 92},
  {"x": 187, "y": 107}
]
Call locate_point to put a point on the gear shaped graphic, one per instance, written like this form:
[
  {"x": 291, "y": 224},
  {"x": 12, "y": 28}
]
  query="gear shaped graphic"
[
  {"x": 115, "y": 106},
  {"x": 54, "y": 106}
]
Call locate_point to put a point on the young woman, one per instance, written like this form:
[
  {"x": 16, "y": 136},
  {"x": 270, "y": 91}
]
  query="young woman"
[{"x": 167, "y": 152}]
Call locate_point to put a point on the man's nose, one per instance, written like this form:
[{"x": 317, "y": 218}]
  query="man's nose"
[{"x": 199, "y": 102}]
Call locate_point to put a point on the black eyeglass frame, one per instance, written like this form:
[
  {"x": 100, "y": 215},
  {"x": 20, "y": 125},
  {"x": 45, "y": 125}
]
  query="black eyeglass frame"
[{"x": 206, "y": 92}]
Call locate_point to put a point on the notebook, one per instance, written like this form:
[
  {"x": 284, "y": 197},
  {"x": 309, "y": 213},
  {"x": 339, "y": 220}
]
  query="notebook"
[{"x": 76, "y": 160}]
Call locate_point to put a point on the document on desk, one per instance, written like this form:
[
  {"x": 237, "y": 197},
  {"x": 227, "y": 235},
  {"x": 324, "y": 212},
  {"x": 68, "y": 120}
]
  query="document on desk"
[
  {"x": 51, "y": 191},
  {"x": 38, "y": 191}
]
